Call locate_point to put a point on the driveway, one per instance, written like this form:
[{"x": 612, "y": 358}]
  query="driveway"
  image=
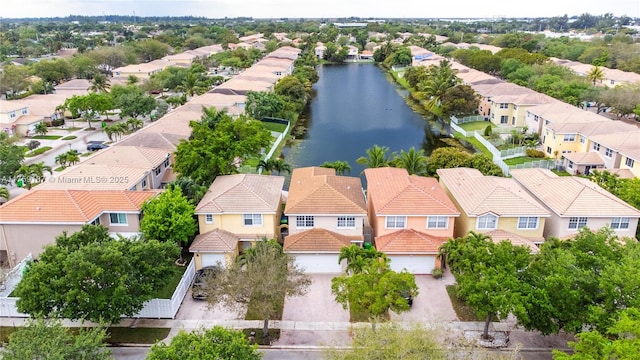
[
  {"x": 432, "y": 303},
  {"x": 199, "y": 310},
  {"x": 317, "y": 305}
]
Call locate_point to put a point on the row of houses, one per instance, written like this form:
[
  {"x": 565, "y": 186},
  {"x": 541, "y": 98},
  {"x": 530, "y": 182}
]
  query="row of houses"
[
  {"x": 581, "y": 139},
  {"x": 407, "y": 217},
  {"x": 110, "y": 186}
]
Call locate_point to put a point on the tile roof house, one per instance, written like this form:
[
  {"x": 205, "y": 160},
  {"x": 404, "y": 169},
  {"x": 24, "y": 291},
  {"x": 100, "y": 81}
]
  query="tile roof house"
[
  {"x": 489, "y": 203},
  {"x": 576, "y": 202},
  {"x": 86, "y": 176},
  {"x": 248, "y": 206},
  {"x": 319, "y": 199},
  {"x": 411, "y": 217},
  {"x": 33, "y": 219}
]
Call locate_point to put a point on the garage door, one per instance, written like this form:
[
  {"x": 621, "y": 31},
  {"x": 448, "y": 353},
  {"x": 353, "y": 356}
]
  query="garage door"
[
  {"x": 416, "y": 264},
  {"x": 212, "y": 259},
  {"x": 319, "y": 263}
]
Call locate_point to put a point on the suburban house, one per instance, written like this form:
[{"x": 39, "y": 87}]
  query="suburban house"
[
  {"x": 631, "y": 160},
  {"x": 319, "y": 199},
  {"x": 236, "y": 211},
  {"x": 411, "y": 217},
  {"x": 15, "y": 118},
  {"x": 319, "y": 50},
  {"x": 496, "y": 206},
  {"x": 86, "y": 176},
  {"x": 34, "y": 219},
  {"x": 505, "y": 104},
  {"x": 141, "y": 71},
  {"x": 575, "y": 202}
]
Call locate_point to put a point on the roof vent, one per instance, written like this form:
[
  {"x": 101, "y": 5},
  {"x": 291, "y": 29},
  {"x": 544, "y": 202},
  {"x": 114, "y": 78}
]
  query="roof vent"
[{"x": 37, "y": 208}]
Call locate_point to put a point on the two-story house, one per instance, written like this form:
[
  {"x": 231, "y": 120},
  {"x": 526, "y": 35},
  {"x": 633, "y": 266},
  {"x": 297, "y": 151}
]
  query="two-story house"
[
  {"x": 325, "y": 212},
  {"x": 34, "y": 219},
  {"x": 236, "y": 211},
  {"x": 411, "y": 216},
  {"x": 496, "y": 206},
  {"x": 575, "y": 202}
]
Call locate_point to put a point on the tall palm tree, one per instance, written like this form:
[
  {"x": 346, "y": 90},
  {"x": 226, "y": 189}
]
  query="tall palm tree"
[
  {"x": 415, "y": 162},
  {"x": 595, "y": 74},
  {"x": 376, "y": 157},
  {"x": 212, "y": 116},
  {"x": 39, "y": 169},
  {"x": 340, "y": 166},
  {"x": 99, "y": 84},
  {"x": 32, "y": 174},
  {"x": 439, "y": 79},
  {"x": 72, "y": 157},
  {"x": 192, "y": 85},
  {"x": 62, "y": 160}
]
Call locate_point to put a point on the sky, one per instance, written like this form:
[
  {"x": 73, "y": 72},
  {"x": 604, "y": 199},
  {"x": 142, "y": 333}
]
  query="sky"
[{"x": 319, "y": 8}]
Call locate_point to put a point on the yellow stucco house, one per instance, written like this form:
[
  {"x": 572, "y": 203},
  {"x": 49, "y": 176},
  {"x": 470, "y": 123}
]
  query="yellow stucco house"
[
  {"x": 496, "y": 206},
  {"x": 236, "y": 211}
]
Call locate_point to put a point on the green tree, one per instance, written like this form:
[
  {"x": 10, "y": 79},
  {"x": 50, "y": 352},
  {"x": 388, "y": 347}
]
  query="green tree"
[
  {"x": 41, "y": 128},
  {"x": 123, "y": 272},
  {"x": 192, "y": 84},
  {"x": 375, "y": 290},
  {"x": 210, "y": 344},
  {"x": 358, "y": 258},
  {"x": 277, "y": 165},
  {"x": 88, "y": 106},
  {"x": 189, "y": 188},
  {"x": 150, "y": 49},
  {"x": 459, "y": 100},
  {"x": 376, "y": 157},
  {"x": 487, "y": 275},
  {"x": 292, "y": 90},
  {"x": 11, "y": 158},
  {"x": 596, "y": 74},
  {"x": 41, "y": 339},
  {"x": 413, "y": 161},
  {"x": 53, "y": 71},
  {"x": 13, "y": 80},
  {"x": 340, "y": 166},
  {"x": 132, "y": 101},
  {"x": 262, "y": 104},
  {"x": 30, "y": 174},
  {"x": 169, "y": 217},
  {"x": 402, "y": 56},
  {"x": 99, "y": 84},
  {"x": 263, "y": 277},
  {"x": 83, "y": 66},
  {"x": 4, "y": 193}
]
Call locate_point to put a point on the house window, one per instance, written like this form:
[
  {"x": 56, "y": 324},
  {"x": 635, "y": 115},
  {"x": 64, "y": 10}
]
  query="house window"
[
  {"x": 570, "y": 138},
  {"x": 346, "y": 222},
  {"x": 577, "y": 222},
  {"x": 620, "y": 223},
  {"x": 157, "y": 171},
  {"x": 528, "y": 222},
  {"x": 596, "y": 147},
  {"x": 252, "y": 219},
  {"x": 535, "y": 118},
  {"x": 504, "y": 106},
  {"x": 96, "y": 221},
  {"x": 629, "y": 162},
  {"x": 166, "y": 163},
  {"x": 548, "y": 149},
  {"x": 208, "y": 218},
  {"x": 613, "y": 82},
  {"x": 118, "y": 219},
  {"x": 582, "y": 139},
  {"x": 504, "y": 119},
  {"x": 24, "y": 111},
  {"x": 143, "y": 183},
  {"x": 12, "y": 114},
  {"x": 437, "y": 222},
  {"x": 513, "y": 120},
  {"x": 608, "y": 152},
  {"x": 304, "y": 221},
  {"x": 570, "y": 166},
  {"x": 487, "y": 222},
  {"x": 395, "y": 222},
  {"x": 515, "y": 107}
]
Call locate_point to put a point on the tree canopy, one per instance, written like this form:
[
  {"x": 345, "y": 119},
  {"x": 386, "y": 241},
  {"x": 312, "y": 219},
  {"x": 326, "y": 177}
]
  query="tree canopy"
[
  {"x": 11, "y": 158},
  {"x": 90, "y": 275},
  {"x": 210, "y": 344},
  {"x": 169, "y": 217}
]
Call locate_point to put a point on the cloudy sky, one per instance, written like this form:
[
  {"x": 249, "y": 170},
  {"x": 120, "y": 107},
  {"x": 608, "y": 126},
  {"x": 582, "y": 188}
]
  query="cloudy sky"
[{"x": 318, "y": 8}]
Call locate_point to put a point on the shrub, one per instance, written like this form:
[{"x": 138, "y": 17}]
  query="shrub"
[
  {"x": 437, "y": 273},
  {"x": 533, "y": 153},
  {"x": 57, "y": 122},
  {"x": 33, "y": 144},
  {"x": 487, "y": 131}
]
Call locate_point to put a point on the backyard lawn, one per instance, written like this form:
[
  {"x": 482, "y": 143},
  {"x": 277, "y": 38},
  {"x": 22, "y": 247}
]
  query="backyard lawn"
[{"x": 476, "y": 125}]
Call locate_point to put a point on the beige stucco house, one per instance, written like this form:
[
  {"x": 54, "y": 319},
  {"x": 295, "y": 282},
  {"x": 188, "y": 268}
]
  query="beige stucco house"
[{"x": 575, "y": 202}]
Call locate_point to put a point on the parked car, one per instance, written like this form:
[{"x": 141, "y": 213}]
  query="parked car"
[
  {"x": 96, "y": 145},
  {"x": 199, "y": 287},
  {"x": 406, "y": 294}
]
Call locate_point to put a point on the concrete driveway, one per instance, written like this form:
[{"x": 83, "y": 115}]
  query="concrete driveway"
[
  {"x": 432, "y": 304},
  {"x": 317, "y": 305},
  {"x": 199, "y": 310}
]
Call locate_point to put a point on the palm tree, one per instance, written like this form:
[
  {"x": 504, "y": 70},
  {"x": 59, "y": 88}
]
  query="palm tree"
[
  {"x": 212, "y": 116},
  {"x": 39, "y": 169},
  {"x": 32, "y": 174},
  {"x": 280, "y": 166},
  {"x": 41, "y": 128},
  {"x": 358, "y": 258},
  {"x": 134, "y": 124},
  {"x": 62, "y": 160},
  {"x": 415, "y": 162},
  {"x": 4, "y": 193},
  {"x": 265, "y": 165},
  {"x": 72, "y": 157},
  {"x": 192, "y": 85},
  {"x": 99, "y": 84},
  {"x": 376, "y": 157},
  {"x": 340, "y": 166},
  {"x": 595, "y": 74}
]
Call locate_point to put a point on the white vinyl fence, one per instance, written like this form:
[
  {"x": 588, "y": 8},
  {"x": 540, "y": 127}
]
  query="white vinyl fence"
[{"x": 154, "y": 308}]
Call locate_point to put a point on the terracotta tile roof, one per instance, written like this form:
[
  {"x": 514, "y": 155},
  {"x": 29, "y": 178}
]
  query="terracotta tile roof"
[
  {"x": 13, "y": 105},
  {"x": 152, "y": 140},
  {"x": 585, "y": 158},
  {"x": 571, "y": 195},
  {"x": 316, "y": 190},
  {"x": 409, "y": 241},
  {"x": 622, "y": 173},
  {"x": 85, "y": 176},
  {"x": 129, "y": 156},
  {"x": 71, "y": 206},
  {"x": 216, "y": 240},
  {"x": 500, "y": 235},
  {"x": 478, "y": 194},
  {"x": 242, "y": 193},
  {"x": 317, "y": 239},
  {"x": 392, "y": 191}
]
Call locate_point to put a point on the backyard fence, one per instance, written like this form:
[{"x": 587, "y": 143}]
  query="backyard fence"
[
  {"x": 154, "y": 308},
  {"x": 467, "y": 119}
]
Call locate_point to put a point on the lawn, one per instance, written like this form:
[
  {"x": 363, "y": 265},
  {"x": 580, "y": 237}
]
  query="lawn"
[
  {"x": 475, "y": 143},
  {"x": 521, "y": 160},
  {"x": 274, "y": 126},
  {"x": 37, "y": 151},
  {"x": 560, "y": 173},
  {"x": 476, "y": 125},
  {"x": 463, "y": 312},
  {"x": 70, "y": 137},
  {"x": 47, "y": 137},
  {"x": 171, "y": 282},
  {"x": 116, "y": 334}
]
